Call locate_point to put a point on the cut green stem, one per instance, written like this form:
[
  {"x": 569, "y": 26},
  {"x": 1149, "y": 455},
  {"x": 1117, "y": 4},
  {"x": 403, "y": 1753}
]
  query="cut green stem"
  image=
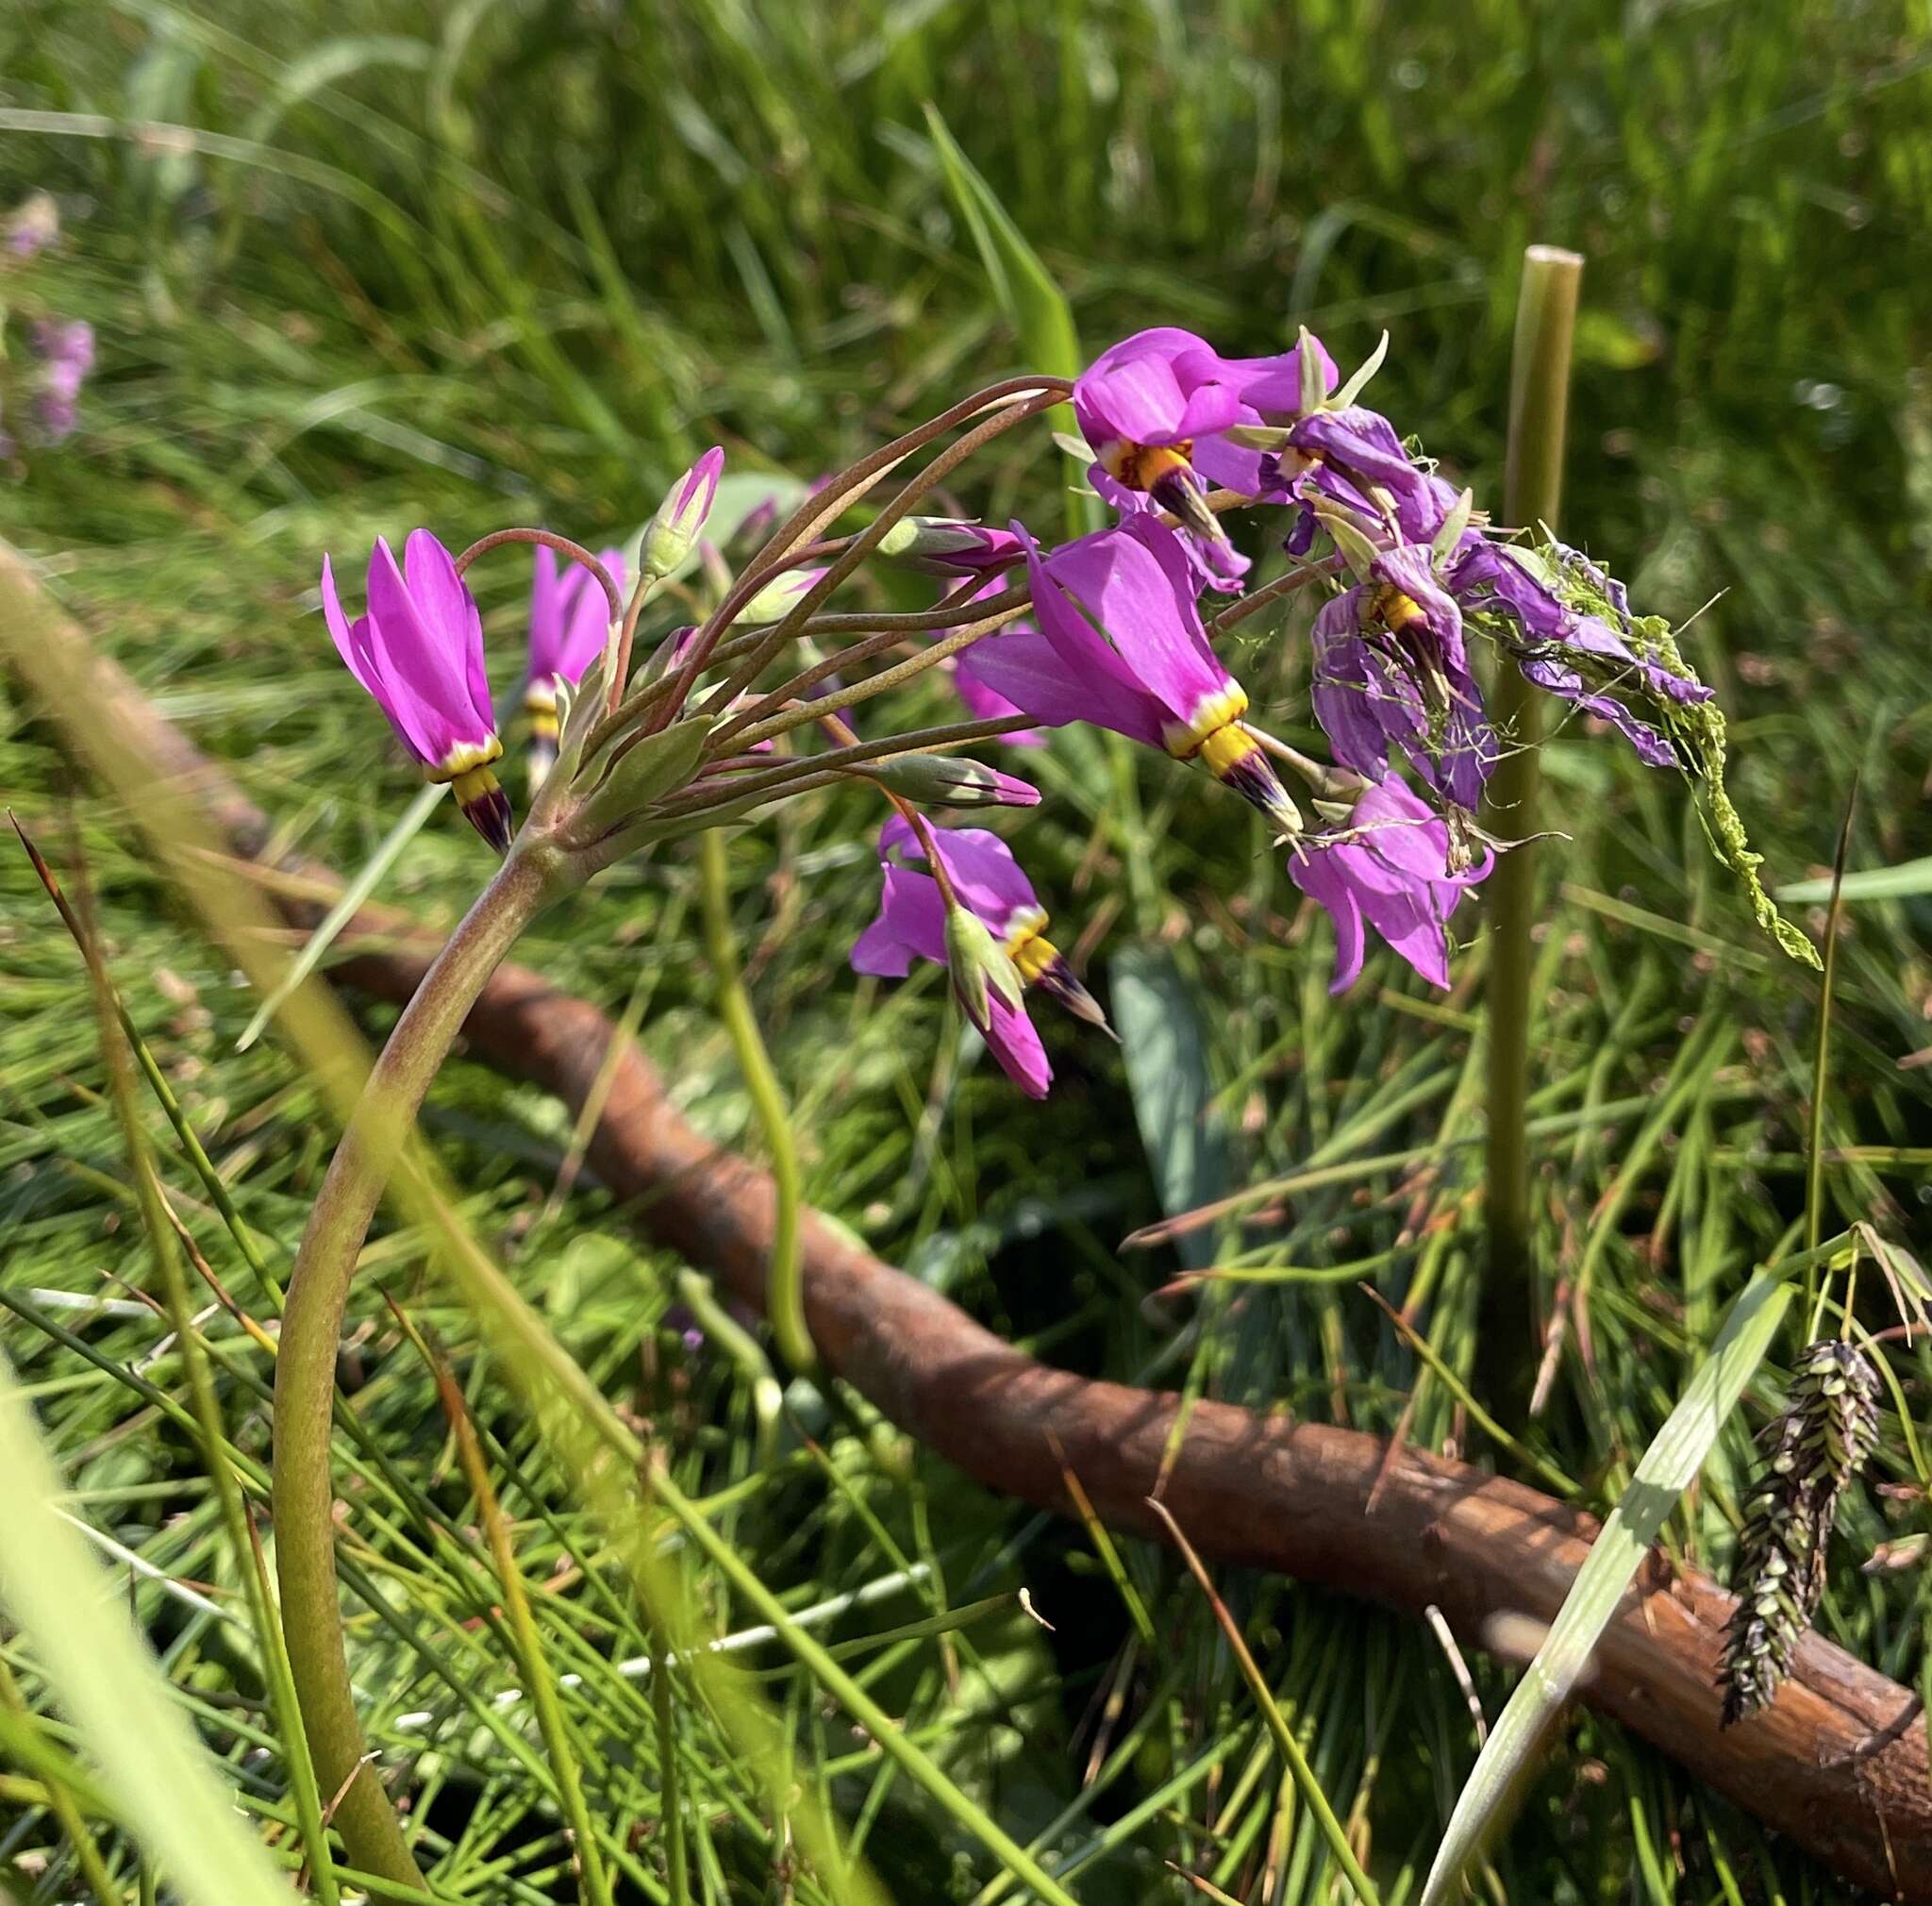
[{"x": 1532, "y": 490}]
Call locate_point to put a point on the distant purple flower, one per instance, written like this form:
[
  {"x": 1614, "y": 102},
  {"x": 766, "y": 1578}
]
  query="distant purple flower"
[
  {"x": 1387, "y": 866},
  {"x": 569, "y": 618},
  {"x": 1563, "y": 646},
  {"x": 1392, "y": 670},
  {"x": 419, "y": 651},
  {"x": 988, "y": 882},
  {"x": 1121, "y": 644},
  {"x": 33, "y": 224},
  {"x": 66, "y": 351}
]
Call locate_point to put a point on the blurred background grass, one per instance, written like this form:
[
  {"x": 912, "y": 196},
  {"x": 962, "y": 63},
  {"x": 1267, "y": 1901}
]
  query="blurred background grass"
[{"x": 355, "y": 268}]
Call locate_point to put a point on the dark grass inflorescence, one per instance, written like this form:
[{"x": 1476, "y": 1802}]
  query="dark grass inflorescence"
[{"x": 1824, "y": 1437}]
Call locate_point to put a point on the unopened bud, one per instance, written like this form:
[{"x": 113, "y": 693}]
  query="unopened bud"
[
  {"x": 951, "y": 782},
  {"x": 673, "y": 531},
  {"x": 980, "y": 966},
  {"x": 779, "y": 596},
  {"x": 949, "y": 546}
]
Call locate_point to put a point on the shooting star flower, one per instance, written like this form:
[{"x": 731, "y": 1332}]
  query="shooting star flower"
[{"x": 419, "y": 651}]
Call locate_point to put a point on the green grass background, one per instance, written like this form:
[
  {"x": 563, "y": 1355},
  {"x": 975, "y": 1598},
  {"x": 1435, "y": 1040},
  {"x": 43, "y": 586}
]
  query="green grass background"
[{"x": 356, "y": 268}]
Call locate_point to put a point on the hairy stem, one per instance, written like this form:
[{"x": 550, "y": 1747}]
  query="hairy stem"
[
  {"x": 1532, "y": 487},
  {"x": 312, "y": 1329}
]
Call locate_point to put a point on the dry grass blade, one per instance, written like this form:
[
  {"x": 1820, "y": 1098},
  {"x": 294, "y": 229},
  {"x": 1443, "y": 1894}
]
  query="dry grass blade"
[{"x": 1308, "y": 1786}]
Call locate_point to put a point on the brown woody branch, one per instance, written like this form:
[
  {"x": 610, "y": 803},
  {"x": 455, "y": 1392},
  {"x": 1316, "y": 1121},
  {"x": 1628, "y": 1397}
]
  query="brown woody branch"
[{"x": 1838, "y": 1762}]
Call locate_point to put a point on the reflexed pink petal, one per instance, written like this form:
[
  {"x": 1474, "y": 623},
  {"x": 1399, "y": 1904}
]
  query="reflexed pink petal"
[
  {"x": 987, "y": 704},
  {"x": 1011, "y": 1039},
  {"x": 1316, "y": 875},
  {"x": 352, "y": 644},
  {"x": 448, "y": 607},
  {"x": 1136, "y": 582},
  {"x": 912, "y": 910},
  {"x": 424, "y": 669},
  {"x": 1028, "y": 669}
]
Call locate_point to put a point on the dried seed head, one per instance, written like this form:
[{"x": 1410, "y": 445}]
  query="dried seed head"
[{"x": 1825, "y": 1436}]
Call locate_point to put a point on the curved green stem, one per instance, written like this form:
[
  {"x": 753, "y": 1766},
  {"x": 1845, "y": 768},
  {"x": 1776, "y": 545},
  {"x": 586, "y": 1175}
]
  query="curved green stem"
[
  {"x": 785, "y": 1285},
  {"x": 312, "y": 1329}
]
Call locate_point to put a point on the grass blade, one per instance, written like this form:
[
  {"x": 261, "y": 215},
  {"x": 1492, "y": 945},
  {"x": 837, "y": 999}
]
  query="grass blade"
[
  {"x": 1022, "y": 287},
  {"x": 150, "y": 1759},
  {"x": 354, "y": 895},
  {"x": 1674, "y": 1457}
]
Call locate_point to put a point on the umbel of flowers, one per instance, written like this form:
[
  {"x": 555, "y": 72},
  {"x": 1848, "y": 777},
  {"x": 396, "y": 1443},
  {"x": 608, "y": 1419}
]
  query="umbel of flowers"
[{"x": 1121, "y": 629}]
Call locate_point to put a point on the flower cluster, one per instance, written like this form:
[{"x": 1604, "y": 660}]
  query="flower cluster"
[
  {"x": 1108, "y": 629},
  {"x": 1826, "y": 1433}
]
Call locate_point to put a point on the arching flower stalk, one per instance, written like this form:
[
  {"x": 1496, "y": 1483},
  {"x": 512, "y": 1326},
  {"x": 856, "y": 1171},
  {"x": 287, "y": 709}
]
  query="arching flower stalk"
[{"x": 1107, "y": 629}]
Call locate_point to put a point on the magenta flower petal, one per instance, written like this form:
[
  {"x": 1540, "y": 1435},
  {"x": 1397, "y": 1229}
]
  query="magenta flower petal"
[
  {"x": 1135, "y": 581},
  {"x": 1158, "y": 387},
  {"x": 911, "y": 924},
  {"x": 1274, "y": 385},
  {"x": 352, "y": 642},
  {"x": 1013, "y": 1041},
  {"x": 449, "y": 610},
  {"x": 980, "y": 865},
  {"x": 419, "y": 652},
  {"x": 1388, "y": 868},
  {"x": 1025, "y": 668},
  {"x": 987, "y": 704}
]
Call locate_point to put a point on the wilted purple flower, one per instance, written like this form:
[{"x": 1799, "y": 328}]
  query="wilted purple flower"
[
  {"x": 1392, "y": 670},
  {"x": 569, "y": 618},
  {"x": 1557, "y": 615},
  {"x": 1387, "y": 866},
  {"x": 673, "y": 531},
  {"x": 419, "y": 651},
  {"x": 988, "y": 882},
  {"x": 1352, "y": 459},
  {"x": 1121, "y": 644}
]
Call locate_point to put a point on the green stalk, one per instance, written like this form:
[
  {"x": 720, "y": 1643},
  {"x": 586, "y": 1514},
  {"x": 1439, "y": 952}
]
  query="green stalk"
[
  {"x": 784, "y": 1283},
  {"x": 1532, "y": 490},
  {"x": 670, "y": 1800},
  {"x": 312, "y": 1329},
  {"x": 87, "y": 1851},
  {"x": 594, "y": 1884}
]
